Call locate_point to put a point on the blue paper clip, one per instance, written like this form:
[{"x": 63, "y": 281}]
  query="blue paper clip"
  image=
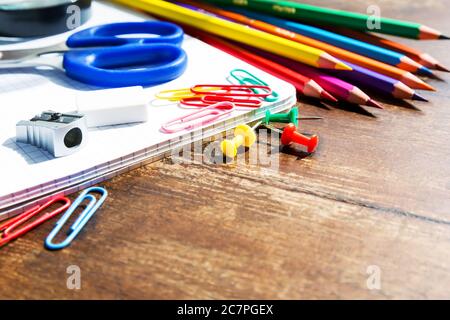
[{"x": 84, "y": 217}]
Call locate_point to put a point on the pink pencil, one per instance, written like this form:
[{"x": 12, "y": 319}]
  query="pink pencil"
[{"x": 338, "y": 88}]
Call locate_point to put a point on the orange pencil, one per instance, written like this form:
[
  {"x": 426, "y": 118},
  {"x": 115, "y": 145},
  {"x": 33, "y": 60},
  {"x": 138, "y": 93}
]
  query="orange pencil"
[{"x": 383, "y": 68}]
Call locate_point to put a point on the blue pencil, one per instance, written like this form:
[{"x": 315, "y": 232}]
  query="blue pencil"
[{"x": 366, "y": 49}]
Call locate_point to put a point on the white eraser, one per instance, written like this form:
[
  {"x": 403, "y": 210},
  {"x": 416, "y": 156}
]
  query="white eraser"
[{"x": 113, "y": 106}]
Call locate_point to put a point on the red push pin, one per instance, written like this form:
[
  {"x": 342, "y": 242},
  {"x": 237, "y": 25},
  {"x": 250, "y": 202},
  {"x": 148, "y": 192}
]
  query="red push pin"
[{"x": 291, "y": 135}]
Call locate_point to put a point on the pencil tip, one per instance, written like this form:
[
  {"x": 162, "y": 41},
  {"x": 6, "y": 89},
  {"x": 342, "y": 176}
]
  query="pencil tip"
[
  {"x": 426, "y": 86},
  {"x": 425, "y": 71},
  {"x": 418, "y": 97},
  {"x": 342, "y": 66},
  {"x": 326, "y": 95},
  {"x": 443, "y": 37},
  {"x": 327, "y": 61},
  {"x": 440, "y": 67},
  {"x": 416, "y": 83},
  {"x": 375, "y": 104}
]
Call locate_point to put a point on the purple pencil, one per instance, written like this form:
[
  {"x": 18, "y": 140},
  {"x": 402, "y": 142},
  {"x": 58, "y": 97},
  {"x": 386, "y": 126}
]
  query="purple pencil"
[
  {"x": 378, "y": 82},
  {"x": 338, "y": 88}
]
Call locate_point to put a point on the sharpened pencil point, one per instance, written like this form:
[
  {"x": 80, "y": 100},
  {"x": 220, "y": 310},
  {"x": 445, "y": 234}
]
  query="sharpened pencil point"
[
  {"x": 426, "y": 86},
  {"x": 327, "y": 61},
  {"x": 414, "y": 82},
  {"x": 443, "y": 37},
  {"x": 343, "y": 66},
  {"x": 425, "y": 71},
  {"x": 440, "y": 67},
  {"x": 418, "y": 97},
  {"x": 325, "y": 95},
  {"x": 375, "y": 104}
]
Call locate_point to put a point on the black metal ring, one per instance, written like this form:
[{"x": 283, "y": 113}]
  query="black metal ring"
[{"x": 43, "y": 21}]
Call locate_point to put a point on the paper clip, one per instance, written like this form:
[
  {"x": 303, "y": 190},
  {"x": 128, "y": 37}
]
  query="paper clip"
[
  {"x": 232, "y": 90},
  {"x": 81, "y": 221},
  {"x": 178, "y": 94},
  {"x": 9, "y": 228},
  {"x": 206, "y": 115},
  {"x": 250, "y": 79},
  {"x": 250, "y": 103},
  {"x": 206, "y": 101}
]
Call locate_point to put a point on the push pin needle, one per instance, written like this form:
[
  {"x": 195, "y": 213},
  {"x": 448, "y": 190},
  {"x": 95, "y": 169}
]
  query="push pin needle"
[{"x": 310, "y": 118}]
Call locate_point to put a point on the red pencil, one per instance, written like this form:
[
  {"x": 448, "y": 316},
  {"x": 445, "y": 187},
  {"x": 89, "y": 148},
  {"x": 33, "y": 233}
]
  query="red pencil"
[{"x": 303, "y": 84}]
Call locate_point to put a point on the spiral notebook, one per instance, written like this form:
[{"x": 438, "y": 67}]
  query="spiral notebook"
[{"x": 31, "y": 175}]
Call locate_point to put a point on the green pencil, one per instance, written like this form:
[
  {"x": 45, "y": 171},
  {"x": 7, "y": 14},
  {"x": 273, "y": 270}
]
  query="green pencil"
[{"x": 326, "y": 16}]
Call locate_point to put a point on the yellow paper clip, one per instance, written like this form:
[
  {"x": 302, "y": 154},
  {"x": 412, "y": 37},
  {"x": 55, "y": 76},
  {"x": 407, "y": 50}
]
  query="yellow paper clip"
[
  {"x": 180, "y": 94},
  {"x": 175, "y": 94}
]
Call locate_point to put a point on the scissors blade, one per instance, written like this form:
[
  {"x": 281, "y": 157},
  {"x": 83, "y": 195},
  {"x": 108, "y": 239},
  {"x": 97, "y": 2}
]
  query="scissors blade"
[{"x": 21, "y": 54}]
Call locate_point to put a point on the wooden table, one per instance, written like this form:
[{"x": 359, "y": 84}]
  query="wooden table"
[{"x": 374, "y": 197}]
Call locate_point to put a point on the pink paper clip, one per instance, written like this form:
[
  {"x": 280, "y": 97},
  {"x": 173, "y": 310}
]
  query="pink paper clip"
[
  {"x": 206, "y": 115},
  {"x": 231, "y": 90},
  {"x": 206, "y": 101}
]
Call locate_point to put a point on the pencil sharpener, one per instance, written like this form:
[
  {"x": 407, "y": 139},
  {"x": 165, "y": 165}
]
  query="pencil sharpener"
[{"x": 61, "y": 134}]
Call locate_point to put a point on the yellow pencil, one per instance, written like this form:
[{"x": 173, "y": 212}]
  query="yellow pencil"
[{"x": 234, "y": 31}]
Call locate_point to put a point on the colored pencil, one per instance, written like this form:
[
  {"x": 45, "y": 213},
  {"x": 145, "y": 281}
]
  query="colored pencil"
[
  {"x": 363, "y": 48},
  {"x": 379, "y": 83},
  {"x": 337, "y": 87},
  {"x": 421, "y": 57},
  {"x": 303, "y": 84},
  {"x": 380, "y": 67},
  {"x": 230, "y": 30},
  {"x": 326, "y": 16}
]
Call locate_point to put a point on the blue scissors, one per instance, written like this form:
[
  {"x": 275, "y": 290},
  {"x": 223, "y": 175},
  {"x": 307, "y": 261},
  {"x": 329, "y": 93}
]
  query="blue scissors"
[{"x": 109, "y": 56}]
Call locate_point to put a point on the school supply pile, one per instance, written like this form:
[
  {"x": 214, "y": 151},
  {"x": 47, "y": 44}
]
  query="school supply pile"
[
  {"x": 253, "y": 57},
  {"x": 116, "y": 144}
]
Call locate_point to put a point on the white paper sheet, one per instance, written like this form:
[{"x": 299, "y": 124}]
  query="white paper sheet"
[{"x": 27, "y": 172}]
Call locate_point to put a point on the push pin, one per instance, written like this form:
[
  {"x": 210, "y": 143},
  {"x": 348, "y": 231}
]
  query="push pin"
[
  {"x": 290, "y": 135},
  {"x": 291, "y": 117},
  {"x": 243, "y": 135}
]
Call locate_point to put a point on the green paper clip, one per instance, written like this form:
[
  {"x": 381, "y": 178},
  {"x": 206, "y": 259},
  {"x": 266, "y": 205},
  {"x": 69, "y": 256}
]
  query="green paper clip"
[{"x": 250, "y": 79}]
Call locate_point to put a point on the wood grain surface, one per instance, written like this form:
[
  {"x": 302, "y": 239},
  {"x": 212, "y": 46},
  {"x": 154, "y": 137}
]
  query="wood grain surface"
[{"x": 376, "y": 193}]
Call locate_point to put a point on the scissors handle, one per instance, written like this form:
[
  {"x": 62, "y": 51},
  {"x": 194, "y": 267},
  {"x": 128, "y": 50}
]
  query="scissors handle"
[
  {"x": 127, "y": 65},
  {"x": 114, "y": 34}
]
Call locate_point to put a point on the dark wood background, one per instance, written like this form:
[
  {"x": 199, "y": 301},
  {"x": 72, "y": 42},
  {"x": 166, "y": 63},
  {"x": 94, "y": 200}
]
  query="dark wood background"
[{"x": 377, "y": 192}]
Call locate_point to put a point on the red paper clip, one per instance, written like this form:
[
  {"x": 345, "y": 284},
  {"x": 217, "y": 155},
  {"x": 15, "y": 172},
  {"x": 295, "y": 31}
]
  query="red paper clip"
[
  {"x": 231, "y": 90},
  {"x": 206, "y": 115},
  {"x": 9, "y": 226},
  {"x": 206, "y": 101}
]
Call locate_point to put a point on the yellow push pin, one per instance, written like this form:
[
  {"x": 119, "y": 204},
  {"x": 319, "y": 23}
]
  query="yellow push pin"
[{"x": 243, "y": 135}]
